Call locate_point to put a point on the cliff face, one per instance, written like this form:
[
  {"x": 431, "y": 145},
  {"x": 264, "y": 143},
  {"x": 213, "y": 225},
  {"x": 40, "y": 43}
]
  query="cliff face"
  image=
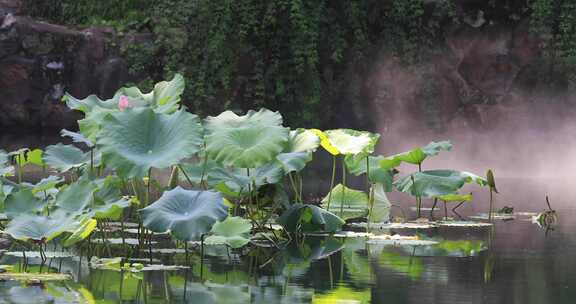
[
  {"x": 40, "y": 61},
  {"x": 483, "y": 72}
]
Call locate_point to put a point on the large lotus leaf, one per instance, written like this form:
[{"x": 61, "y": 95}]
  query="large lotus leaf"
[
  {"x": 356, "y": 164},
  {"x": 348, "y": 141},
  {"x": 302, "y": 140},
  {"x": 186, "y": 214},
  {"x": 230, "y": 120},
  {"x": 233, "y": 231},
  {"x": 381, "y": 209},
  {"x": 38, "y": 228},
  {"x": 83, "y": 229},
  {"x": 77, "y": 137},
  {"x": 65, "y": 157},
  {"x": 165, "y": 97},
  {"x": 133, "y": 141},
  {"x": 245, "y": 141},
  {"x": 415, "y": 156},
  {"x": 22, "y": 202},
  {"x": 435, "y": 183},
  {"x": 75, "y": 197},
  {"x": 309, "y": 218},
  {"x": 347, "y": 203}
]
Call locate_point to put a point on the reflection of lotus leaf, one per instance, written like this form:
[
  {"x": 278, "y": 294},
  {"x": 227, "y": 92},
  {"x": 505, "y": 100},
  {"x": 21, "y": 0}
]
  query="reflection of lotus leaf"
[{"x": 187, "y": 214}]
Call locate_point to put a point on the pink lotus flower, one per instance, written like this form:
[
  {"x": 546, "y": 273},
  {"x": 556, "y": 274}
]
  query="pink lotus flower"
[{"x": 123, "y": 103}]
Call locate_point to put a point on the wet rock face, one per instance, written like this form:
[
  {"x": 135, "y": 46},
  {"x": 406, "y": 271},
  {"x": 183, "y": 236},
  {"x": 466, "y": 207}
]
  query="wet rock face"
[
  {"x": 40, "y": 61},
  {"x": 472, "y": 85}
]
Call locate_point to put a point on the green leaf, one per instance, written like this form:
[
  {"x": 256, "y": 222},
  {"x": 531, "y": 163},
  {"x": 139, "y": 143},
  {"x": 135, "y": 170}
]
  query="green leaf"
[
  {"x": 187, "y": 214},
  {"x": 302, "y": 140},
  {"x": 45, "y": 184},
  {"x": 65, "y": 157},
  {"x": 233, "y": 231},
  {"x": 108, "y": 199},
  {"x": 416, "y": 156},
  {"x": 381, "y": 210},
  {"x": 21, "y": 202},
  {"x": 309, "y": 218},
  {"x": 133, "y": 141},
  {"x": 455, "y": 197},
  {"x": 165, "y": 97},
  {"x": 75, "y": 197},
  {"x": 354, "y": 202},
  {"x": 37, "y": 227},
  {"x": 295, "y": 161},
  {"x": 356, "y": 164},
  {"x": 352, "y": 142},
  {"x": 35, "y": 157},
  {"x": 77, "y": 137},
  {"x": 245, "y": 141},
  {"x": 435, "y": 183},
  {"x": 82, "y": 231}
]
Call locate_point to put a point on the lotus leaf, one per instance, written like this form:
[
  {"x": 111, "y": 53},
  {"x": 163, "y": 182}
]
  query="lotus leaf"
[
  {"x": 108, "y": 200},
  {"x": 356, "y": 164},
  {"x": 22, "y": 202},
  {"x": 455, "y": 197},
  {"x": 415, "y": 156},
  {"x": 38, "y": 228},
  {"x": 165, "y": 97},
  {"x": 3, "y": 157},
  {"x": 295, "y": 161},
  {"x": 354, "y": 202},
  {"x": 45, "y": 184},
  {"x": 65, "y": 157},
  {"x": 77, "y": 137},
  {"x": 352, "y": 142},
  {"x": 381, "y": 209},
  {"x": 233, "y": 231},
  {"x": 302, "y": 140},
  {"x": 136, "y": 140},
  {"x": 247, "y": 141},
  {"x": 83, "y": 230},
  {"x": 325, "y": 143},
  {"x": 187, "y": 214},
  {"x": 34, "y": 157},
  {"x": 309, "y": 218},
  {"x": 76, "y": 197},
  {"x": 435, "y": 183}
]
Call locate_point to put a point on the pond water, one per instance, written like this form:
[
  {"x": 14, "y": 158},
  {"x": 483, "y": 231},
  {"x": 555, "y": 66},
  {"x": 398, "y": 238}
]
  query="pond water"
[{"x": 515, "y": 261}]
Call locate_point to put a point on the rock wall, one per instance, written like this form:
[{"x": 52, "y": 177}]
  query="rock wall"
[{"x": 40, "y": 61}]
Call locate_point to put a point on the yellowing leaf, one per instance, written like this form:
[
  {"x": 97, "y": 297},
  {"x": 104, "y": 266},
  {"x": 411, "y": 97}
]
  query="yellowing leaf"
[{"x": 325, "y": 143}]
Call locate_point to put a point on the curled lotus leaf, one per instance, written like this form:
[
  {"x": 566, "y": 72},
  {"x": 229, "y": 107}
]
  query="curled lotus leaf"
[
  {"x": 247, "y": 141},
  {"x": 352, "y": 142},
  {"x": 346, "y": 202},
  {"x": 186, "y": 214},
  {"x": 133, "y": 141},
  {"x": 302, "y": 140},
  {"x": 357, "y": 165},
  {"x": 164, "y": 98},
  {"x": 77, "y": 137},
  {"x": 325, "y": 142},
  {"x": 83, "y": 229}
]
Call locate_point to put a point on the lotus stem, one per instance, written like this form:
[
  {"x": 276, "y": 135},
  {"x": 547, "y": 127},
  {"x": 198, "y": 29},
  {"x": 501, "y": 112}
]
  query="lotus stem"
[
  {"x": 204, "y": 164},
  {"x": 445, "y": 211},
  {"x": 19, "y": 167},
  {"x": 148, "y": 187},
  {"x": 332, "y": 180},
  {"x": 370, "y": 193},
  {"x": 186, "y": 175},
  {"x": 300, "y": 185},
  {"x": 420, "y": 167},
  {"x": 491, "y": 206},
  {"x": 548, "y": 203},
  {"x": 433, "y": 206},
  {"x": 294, "y": 188},
  {"x": 343, "y": 187},
  {"x": 92, "y": 161}
]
